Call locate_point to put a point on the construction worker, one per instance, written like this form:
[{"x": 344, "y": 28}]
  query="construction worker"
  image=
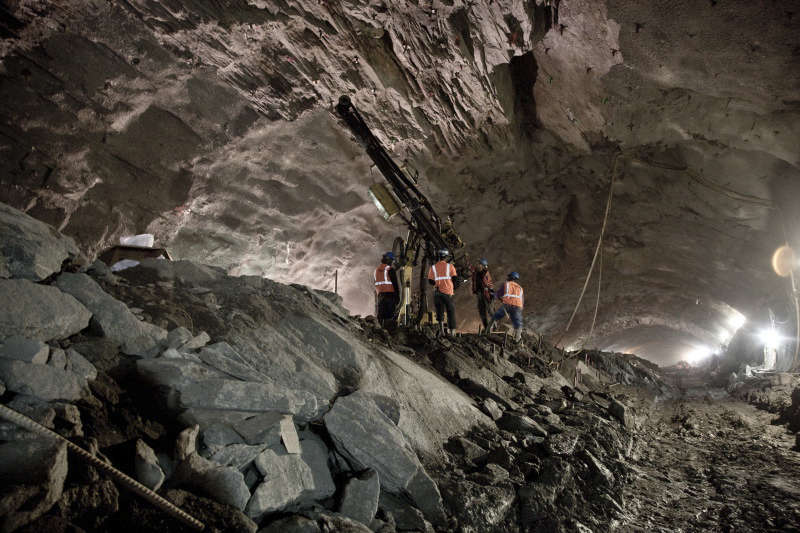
[
  {"x": 483, "y": 289},
  {"x": 387, "y": 289},
  {"x": 442, "y": 276},
  {"x": 510, "y": 293}
]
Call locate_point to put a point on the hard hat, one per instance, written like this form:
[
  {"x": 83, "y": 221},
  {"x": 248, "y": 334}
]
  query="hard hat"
[
  {"x": 443, "y": 253},
  {"x": 389, "y": 255},
  {"x": 513, "y": 275},
  {"x": 484, "y": 262}
]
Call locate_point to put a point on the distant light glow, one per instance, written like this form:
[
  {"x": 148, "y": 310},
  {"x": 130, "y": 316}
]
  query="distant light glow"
[
  {"x": 736, "y": 320},
  {"x": 697, "y": 354},
  {"x": 783, "y": 261},
  {"x": 770, "y": 337}
]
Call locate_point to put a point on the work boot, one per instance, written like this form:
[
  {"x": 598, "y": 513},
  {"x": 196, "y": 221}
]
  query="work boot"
[{"x": 518, "y": 335}]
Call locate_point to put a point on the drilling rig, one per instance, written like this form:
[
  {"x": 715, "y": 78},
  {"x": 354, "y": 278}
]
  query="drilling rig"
[{"x": 427, "y": 231}]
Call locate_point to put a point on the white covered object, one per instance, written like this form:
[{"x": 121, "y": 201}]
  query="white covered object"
[{"x": 145, "y": 240}]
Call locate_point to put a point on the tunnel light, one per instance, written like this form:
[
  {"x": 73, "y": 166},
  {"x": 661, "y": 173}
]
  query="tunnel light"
[
  {"x": 736, "y": 320},
  {"x": 770, "y": 337},
  {"x": 783, "y": 261},
  {"x": 697, "y": 354}
]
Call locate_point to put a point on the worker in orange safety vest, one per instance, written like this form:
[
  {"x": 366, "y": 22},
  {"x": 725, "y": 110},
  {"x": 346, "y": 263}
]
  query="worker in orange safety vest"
[
  {"x": 511, "y": 294},
  {"x": 442, "y": 276},
  {"x": 387, "y": 290},
  {"x": 483, "y": 289}
]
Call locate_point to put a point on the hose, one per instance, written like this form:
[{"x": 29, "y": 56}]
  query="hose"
[{"x": 133, "y": 485}]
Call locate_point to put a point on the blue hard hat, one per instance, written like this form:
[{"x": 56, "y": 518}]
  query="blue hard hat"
[
  {"x": 513, "y": 275},
  {"x": 484, "y": 262},
  {"x": 389, "y": 255},
  {"x": 443, "y": 253}
]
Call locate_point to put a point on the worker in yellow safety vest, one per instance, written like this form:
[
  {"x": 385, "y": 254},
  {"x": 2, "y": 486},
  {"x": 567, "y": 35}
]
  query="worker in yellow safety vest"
[
  {"x": 387, "y": 289},
  {"x": 511, "y": 294},
  {"x": 442, "y": 276}
]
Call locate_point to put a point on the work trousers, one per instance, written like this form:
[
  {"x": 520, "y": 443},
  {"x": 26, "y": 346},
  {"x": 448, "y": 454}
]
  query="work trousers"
[
  {"x": 444, "y": 302},
  {"x": 387, "y": 302},
  {"x": 513, "y": 312},
  {"x": 484, "y": 309}
]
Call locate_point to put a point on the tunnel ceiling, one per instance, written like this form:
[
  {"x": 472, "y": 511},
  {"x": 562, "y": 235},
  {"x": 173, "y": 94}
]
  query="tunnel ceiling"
[{"x": 211, "y": 125}]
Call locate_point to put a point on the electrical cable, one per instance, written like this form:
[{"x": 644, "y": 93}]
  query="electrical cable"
[
  {"x": 599, "y": 244},
  {"x": 597, "y": 302},
  {"x": 166, "y": 506}
]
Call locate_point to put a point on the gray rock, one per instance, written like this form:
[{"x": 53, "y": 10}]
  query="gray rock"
[
  {"x": 407, "y": 517},
  {"x": 43, "y": 381},
  {"x": 185, "y": 272},
  {"x": 222, "y": 483},
  {"x": 360, "y": 500},
  {"x": 238, "y": 456},
  {"x": 196, "y": 342},
  {"x": 620, "y": 411},
  {"x": 186, "y": 443},
  {"x": 79, "y": 365},
  {"x": 491, "y": 408},
  {"x": 264, "y": 428},
  {"x": 148, "y": 472},
  {"x": 2, "y": 388},
  {"x": 224, "y": 358},
  {"x": 69, "y": 416},
  {"x": 562, "y": 444},
  {"x": 598, "y": 469},
  {"x": 219, "y": 435},
  {"x": 209, "y": 417},
  {"x": 111, "y": 317},
  {"x": 252, "y": 477},
  {"x": 30, "y": 249},
  {"x": 292, "y": 524},
  {"x": 33, "y": 474},
  {"x": 22, "y": 349},
  {"x": 465, "y": 448},
  {"x": 241, "y": 395},
  {"x": 39, "y": 312},
  {"x": 58, "y": 359},
  {"x": 369, "y": 439},
  {"x": 291, "y": 480},
  {"x": 516, "y": 422},
  {"x": 32, "y": 407},
  {"x": 177, "y": 338}
]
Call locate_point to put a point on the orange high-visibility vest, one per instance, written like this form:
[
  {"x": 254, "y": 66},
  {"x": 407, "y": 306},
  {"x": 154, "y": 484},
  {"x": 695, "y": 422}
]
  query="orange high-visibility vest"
[
  {"x": 441, "y": 273},
  {"x": 512, "y": 294},
  {"x": 383, "y": 283}
]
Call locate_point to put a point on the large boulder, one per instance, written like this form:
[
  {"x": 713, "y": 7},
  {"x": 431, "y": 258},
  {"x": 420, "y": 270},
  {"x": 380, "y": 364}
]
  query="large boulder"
[
  {"x": 43, "y": 381},
  {"x": 30, "y": 249},
  {"x": 369, "y": 439},
  {"x": 33, "y": 474},
  {"x": 111, "y": 317},
  {"x": 39, "y": 312}
]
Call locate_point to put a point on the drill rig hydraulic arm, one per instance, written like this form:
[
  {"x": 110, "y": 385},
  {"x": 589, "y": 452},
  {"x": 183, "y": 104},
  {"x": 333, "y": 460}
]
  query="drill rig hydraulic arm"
[{"x": 425, "y": 226}]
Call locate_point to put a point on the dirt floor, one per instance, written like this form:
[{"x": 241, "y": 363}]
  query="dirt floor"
[{"x": 708, "y": 462}]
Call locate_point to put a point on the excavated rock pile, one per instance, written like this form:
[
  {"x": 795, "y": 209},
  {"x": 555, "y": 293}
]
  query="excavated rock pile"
[{"x": 255, "y": 404}]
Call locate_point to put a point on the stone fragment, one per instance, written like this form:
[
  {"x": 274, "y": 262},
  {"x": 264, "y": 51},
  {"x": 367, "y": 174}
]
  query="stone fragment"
[
  {"x": 233, "y": 394},
  {"x": 491, "y": 408},
  {"x": 111, "y": 317},
  {"x": 406, "y": 517},
  {"x": 148, "y": 472},
  {"x": 620, "y": 411},
  {"x": 562, "y": 444},
  {"x": 291, "y": 480},
  {"x": 196, "y": 342},
  {"x": 78, "y": 364},
  {"x": 29, "y": 248},
  {"x": 511, "y": 421},
  {"x": 251, "y": 477},
  {"x": 464, "y": 448},
  {"x": 2, "y": 388},
  {"x": 222, "y": 483},
  {"x": 369, "y": 439},
  {"x": 219, "y": 435},
  {"x": 598, "y": 469},
  {"x": 69, "y": 415},
  {"x": 360, "y": 500},
  {"x": 58, "y": 359},
  {"x": 224, "y": 358},
  {"x": 33, "y": 474},
  {"x": 289, "y": 435},
  {"x": 238, "y": 456},
  {"x": 263, "y": 428},
  {"x": 177, "y": 337},
  {"x": 490, "y": 475},
  {"x": 43, "y": 381},
  {"x": 186, "y": 443},
  {"x": 27, "y": 350},
  {"x": 39, "y": 312}
]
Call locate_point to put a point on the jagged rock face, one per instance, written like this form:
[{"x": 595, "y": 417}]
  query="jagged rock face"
[{"x": 211, "y": 125}]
